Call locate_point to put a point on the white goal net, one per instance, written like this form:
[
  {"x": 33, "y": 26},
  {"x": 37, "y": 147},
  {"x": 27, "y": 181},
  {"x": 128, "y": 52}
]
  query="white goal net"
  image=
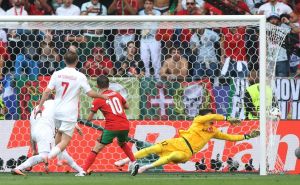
[{"x": 167, "y": 68}]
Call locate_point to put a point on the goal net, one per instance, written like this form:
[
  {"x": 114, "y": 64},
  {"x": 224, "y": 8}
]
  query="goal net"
[{"x": 167, "y": 68}]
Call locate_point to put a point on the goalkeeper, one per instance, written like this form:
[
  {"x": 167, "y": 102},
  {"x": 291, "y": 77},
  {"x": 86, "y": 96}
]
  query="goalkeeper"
[{"x": 189, "y": 142}]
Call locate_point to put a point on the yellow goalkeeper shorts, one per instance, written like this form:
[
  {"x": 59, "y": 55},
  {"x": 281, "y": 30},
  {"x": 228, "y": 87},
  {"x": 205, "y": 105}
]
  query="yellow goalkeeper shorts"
[{"x": 175, "y": 145}]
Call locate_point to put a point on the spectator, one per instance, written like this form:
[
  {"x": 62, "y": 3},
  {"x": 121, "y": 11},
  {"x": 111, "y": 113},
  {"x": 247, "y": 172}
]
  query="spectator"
[
  {"x": 163, "y": 6},
  {"x": 49, "y": 58},
  {"x": 202, "y": 44},
  {"x": 3, "y": 109},
  {"x": 63, "y": 39},
  {"x": 17, "y": 9},
  {"x": 4, "y": 56},
  {"x": 131, "y": 64},
  {"x": 182, "y": 4},
  {"x": 94, "y": 7},
  {"x": 182, "y": 36},
  {"x": 3, "y": 37},
  {"x": 174, "y": 68},
  {"x": 253, "y": 5},
  {"x": 275, "y": 7},
  {"x": 233, "y": 52},
  {"x": 68, "y": 9},
  {"x": 123, "y": 7},
  {"x": 191, "y": 9},
  {"x": 9, "y": 97},
  {"x": 27, "y": 61},
  {"x": 38, "y": 7},
  {"x": 56, "y": 4},
  {"x": 150, "y": 47},
  {"x": 98, "y": 64}
]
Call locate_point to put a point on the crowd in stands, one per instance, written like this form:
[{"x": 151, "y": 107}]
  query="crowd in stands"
[{"x": 164, "y": 54}]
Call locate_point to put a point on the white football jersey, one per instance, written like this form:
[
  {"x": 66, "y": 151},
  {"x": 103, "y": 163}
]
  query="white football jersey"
[
  {"x": 279, "y": 8},
  {"x": 45, "y": 120},
  {"x": 67, "y": 83}
]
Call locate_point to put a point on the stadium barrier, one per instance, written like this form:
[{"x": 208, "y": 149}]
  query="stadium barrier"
[{"x": 217, "y": 155}]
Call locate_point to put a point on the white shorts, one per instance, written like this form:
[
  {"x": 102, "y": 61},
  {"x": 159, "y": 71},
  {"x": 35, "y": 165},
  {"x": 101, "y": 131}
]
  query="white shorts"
[
  {"x": 44, "y": 139},
  {"x": 65, "y": 127}
]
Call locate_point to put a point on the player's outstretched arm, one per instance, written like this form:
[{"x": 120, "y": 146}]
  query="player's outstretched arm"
[
  {"x": 45, "y": 96},
  {"x": 236, "y": 137},
  {"x": 91, "y": 116},
  {"x": 94, "y": 94}
]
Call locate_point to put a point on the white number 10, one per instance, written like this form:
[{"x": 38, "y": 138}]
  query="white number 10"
[{"x": 115, "y": 105}]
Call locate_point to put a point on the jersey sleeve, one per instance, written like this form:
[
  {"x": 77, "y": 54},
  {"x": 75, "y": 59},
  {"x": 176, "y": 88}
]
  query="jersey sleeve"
[
  {"x": 95, "y": 105},
  {"x": 51, "y": 84},
  {"x": 123, "y": 101},
  {"x": 228, "y": 137},
  {"x": 209, "y": 117},
  {"x": 85, "y": 85}
]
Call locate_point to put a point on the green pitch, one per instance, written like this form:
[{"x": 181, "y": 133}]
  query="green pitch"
[{"x": 147, "y": 179}]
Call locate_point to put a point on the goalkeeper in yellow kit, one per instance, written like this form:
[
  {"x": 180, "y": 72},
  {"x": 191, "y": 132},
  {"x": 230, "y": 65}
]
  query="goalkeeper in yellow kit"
[{"x": 189, "y": 142}]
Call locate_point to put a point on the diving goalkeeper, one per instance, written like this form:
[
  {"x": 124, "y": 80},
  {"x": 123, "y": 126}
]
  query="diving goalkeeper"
[{"x": 189, "y": 142}]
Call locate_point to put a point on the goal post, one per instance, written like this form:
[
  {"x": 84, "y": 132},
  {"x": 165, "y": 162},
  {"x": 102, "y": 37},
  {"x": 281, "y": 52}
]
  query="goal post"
[{"x": 166, "y": 22}]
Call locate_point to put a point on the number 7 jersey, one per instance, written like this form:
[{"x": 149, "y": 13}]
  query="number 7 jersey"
[
  {"x": 67, "y": 84},
  {"x": 113, "y": 111}
]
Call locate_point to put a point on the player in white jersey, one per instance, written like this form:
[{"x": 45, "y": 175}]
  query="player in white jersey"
[
  {"x": 67, "y": 84},
  {"x": 42, "y": 132}
]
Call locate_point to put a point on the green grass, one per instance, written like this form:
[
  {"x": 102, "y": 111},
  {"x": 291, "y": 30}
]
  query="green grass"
[{"x": 147, "y": 179}]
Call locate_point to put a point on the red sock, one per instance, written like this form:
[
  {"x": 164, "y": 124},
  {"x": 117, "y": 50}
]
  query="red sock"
[
  {"x": 90, "y": 160},
  {"x": 128, "y": 152}
]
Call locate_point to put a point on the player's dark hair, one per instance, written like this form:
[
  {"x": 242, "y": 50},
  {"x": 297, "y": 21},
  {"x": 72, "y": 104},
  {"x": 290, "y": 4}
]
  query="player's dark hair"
[
  {"x": 70, "y": 58},
  {"x": 102, "y": 82},
  {"x": 152, "y": 1},
  {"x": 203, "y": 112}
]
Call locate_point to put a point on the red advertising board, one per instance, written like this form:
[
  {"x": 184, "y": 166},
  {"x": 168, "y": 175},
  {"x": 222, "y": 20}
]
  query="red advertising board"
[{"x": 15, "y": 143}]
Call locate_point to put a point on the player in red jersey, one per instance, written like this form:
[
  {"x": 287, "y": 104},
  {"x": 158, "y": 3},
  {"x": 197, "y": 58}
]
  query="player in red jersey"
[{"x": 116, "y": 123}]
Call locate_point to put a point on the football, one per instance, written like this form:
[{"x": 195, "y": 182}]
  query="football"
[
  {"x": 297, "y": 152},
  {"x": 275, "y": 113}
]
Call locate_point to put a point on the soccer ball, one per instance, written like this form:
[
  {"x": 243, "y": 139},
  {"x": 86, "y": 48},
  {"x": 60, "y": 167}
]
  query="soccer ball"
[
  {"x": 297, "y": 152},
  {"x": 275, "y": 113}
]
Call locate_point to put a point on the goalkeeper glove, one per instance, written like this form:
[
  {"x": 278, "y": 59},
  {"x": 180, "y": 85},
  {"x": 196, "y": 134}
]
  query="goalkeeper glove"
[
  {"x": 253, "y": 134},
  {"x": 233, "y": 121}
]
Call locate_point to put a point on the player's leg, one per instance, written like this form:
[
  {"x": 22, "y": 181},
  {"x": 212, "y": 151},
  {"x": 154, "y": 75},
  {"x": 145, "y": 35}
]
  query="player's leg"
[
  {"x": 70, "y": 161},
  {"x": 122, "y": 138},
  {"x": 155, "y": 50},
  {"x": 174, "y": 157},
  {"x": 105, "y": 139},
  {"x": 154, "y": 149},
  {"x": 66, "y": 130},
  {"x": 34, "y": 160},
  {"x": 122, "y": 141},
  {"x": 44, "y": 142},
  {"x": 145, "y": 56}
]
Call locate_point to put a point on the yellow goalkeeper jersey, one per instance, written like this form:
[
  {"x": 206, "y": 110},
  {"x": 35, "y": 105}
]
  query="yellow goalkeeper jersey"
[{"x": 201, "y": 131}]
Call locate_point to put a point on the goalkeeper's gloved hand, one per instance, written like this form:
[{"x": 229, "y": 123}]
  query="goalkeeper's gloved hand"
[
  {"x": 233, "y": 121},
  {"x": 253, "y": 134}
]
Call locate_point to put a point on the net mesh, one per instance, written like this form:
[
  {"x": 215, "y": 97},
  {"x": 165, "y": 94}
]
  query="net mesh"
[
  {"x": 166, "y": 71},
  {"x": 275, "y": 39}
]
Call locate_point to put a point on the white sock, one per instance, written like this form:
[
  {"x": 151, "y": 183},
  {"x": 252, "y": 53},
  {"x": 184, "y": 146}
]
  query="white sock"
[
  {"x": 54, "y": 152},
  {"x": 144, "y": 168},
  {"x": 31, "y": 162},
  {"x": 71, "y": 162},
  {"x": 123, "y": 161}
]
